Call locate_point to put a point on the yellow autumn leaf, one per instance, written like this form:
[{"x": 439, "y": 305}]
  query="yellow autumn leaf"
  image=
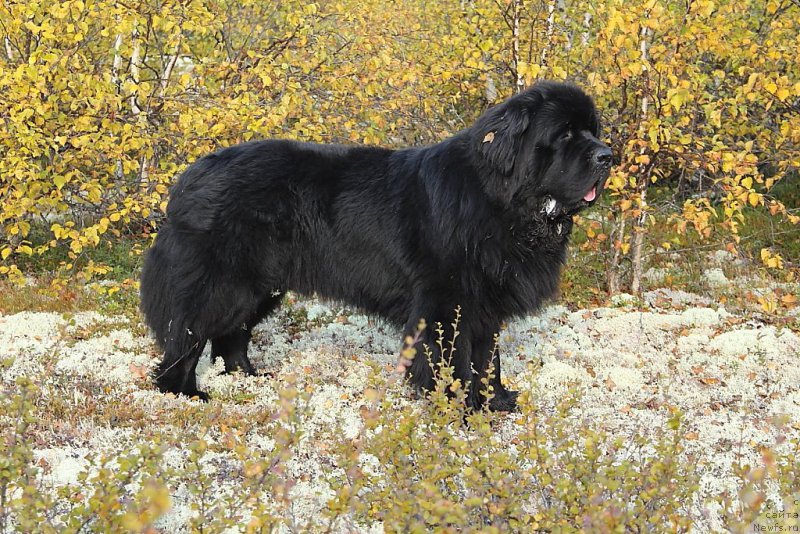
[
  {"x": 770, "y": 259},
  {"x": 769, "y": 304}
]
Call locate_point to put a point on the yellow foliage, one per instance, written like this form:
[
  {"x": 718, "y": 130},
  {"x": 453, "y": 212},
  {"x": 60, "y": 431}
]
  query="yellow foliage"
[
  {"x": 105, "y": 102},
  {"x": 770, "y": 259}
]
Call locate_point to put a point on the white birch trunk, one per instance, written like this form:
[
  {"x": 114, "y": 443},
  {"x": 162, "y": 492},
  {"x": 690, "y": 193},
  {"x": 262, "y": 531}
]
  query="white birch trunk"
[
  {"x": 135, "y": 60},
  {"x": 115, "y": 79},
  {"x": 551, "y": 20},
  {"x": 637, "y": 243},
  {"x": 520, "y": 81},
  {"x": 137, "y": 111},
  {"x": 9, "y": 49}
]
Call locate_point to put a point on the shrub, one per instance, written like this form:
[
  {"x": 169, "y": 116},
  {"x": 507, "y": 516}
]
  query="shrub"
[{"x": 106, "y": 102}]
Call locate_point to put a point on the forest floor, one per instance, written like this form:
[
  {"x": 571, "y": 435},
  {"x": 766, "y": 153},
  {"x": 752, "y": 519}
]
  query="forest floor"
[{"x": 734, "y": 376}]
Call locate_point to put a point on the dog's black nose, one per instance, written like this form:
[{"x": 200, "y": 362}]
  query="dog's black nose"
[{"x": 602, "y": 156}]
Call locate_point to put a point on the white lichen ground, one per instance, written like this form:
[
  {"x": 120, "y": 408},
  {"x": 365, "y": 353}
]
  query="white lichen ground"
[{"x": 730, "y": 376}]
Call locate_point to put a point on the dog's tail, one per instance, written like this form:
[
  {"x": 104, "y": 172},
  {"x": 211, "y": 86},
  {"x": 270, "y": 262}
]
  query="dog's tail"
[{"x": 156, "y": 290}]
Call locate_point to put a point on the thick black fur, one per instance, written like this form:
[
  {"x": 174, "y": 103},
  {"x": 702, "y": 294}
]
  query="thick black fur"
[{"x": 479, "y": 221}]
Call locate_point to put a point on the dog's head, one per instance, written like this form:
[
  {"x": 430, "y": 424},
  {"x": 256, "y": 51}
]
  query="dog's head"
[{"x": 543, "y": 143}]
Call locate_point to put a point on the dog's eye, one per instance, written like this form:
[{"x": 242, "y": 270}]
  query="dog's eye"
[{"x": 566, "y": 136}]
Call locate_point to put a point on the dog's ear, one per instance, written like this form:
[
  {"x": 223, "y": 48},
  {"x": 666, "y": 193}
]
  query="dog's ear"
[{"x": 500, "y": 130}]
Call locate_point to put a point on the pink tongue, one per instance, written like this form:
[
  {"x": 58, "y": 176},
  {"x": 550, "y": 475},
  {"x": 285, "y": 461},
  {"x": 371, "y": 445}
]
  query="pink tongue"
[{"x": 590, "y": 195}]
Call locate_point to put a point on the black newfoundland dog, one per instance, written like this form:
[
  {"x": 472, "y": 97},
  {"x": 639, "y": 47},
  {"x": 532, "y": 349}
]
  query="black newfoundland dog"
[{"x": 479, "y": 221}]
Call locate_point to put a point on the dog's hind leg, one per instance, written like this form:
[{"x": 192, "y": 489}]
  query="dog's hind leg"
[
  {"x": 420, "y": 372},
  {"x": 232, "y": 347},
  {"x": 176, "y": 372}
]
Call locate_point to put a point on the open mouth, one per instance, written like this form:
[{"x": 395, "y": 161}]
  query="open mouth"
[
  {"x": 587, "y": 200},
  {"x": 596, "y": 190}
]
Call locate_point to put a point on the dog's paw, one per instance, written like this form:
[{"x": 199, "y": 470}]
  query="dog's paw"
[
  {"x": 504, "y": 401},
  {"x": 197, "y": 394}
]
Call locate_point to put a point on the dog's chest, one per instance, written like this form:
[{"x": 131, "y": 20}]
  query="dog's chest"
[{"x": 523, "y": 272}]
